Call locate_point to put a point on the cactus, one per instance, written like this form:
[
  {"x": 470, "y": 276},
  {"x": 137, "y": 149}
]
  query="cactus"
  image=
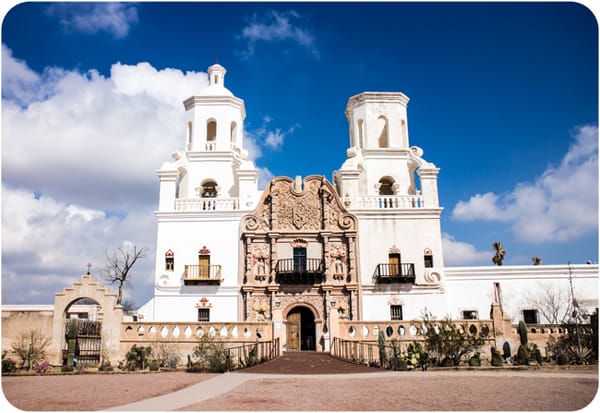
[
  {"x": 496, "y": 358},
  {"x": 523, "y": 351},
  {"x": 522, "y": 329},
  {"x": 71, "y": 337},
  {"x": 382, "y": 352}
]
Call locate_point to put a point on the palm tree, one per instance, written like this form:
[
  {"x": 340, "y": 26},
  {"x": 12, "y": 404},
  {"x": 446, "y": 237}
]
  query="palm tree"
[
  {"x": 500, "y": 253},
  {"x": 536, "y": 260}
]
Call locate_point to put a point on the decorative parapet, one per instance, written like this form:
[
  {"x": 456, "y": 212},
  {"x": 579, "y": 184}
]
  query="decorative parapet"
[
  {"x": 207, "y": 204},
  {"x": 391, "y": 202},
  {"x": 405, "y": 330},
  {"x": 149, "y": 332}
]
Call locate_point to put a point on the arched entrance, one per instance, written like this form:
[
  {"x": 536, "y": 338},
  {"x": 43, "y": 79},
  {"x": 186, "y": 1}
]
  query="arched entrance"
[
  {"x": 300, "y": 330},
  {"x": 104, "y": 300}
]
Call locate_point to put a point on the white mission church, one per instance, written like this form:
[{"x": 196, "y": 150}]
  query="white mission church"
[{"x": 307, "y": 252}]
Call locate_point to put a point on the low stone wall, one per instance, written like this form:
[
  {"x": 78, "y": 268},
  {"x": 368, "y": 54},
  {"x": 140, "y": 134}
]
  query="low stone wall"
[{"x": 183, "y": 337}]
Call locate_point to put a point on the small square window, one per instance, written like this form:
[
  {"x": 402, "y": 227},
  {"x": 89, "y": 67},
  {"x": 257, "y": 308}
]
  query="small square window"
[
  {"x": 428, "y": 261},
  {"x": 204, "y": 314},
  {"x": 531, "y": 316},
  {"x": 470, "y": 315},
  {"x": 395, "y": 312}
]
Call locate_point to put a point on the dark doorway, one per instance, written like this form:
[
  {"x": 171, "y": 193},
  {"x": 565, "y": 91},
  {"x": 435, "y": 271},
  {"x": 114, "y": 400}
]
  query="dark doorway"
[{"x": 300, "y": 330}]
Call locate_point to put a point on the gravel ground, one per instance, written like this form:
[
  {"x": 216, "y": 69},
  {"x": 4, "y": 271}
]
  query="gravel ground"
[
  {"x": 90, "y": 391},
  {"x": 411, "y": 391},
  {"x": 393, "y": 391}
]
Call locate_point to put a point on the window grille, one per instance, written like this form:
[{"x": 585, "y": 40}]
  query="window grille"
[
  {"x": 204, "y": 314},
  {"x": 395, "y": 312}
]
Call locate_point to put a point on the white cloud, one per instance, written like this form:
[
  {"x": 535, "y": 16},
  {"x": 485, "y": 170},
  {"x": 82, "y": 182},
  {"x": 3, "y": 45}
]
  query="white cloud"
[
  {"x": 96, "y": 141},
  {"x": 561, "y": 205},
  {"x": 462, "y": 253},
  {"x": 274, "y": 27},
  {"x": 91, "y": 18},
  {"x": 47, "y": 244}
]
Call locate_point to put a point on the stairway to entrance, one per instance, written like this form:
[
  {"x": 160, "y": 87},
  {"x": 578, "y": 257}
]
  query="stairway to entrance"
[{"x": 308, "y": 362}]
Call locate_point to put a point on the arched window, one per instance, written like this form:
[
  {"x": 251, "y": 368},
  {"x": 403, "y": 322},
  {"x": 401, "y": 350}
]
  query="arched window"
[
  {"x": 189, "y": 137},
  {"x": 428, "y": 258},
  {"x": 169, "y": 261},
  {"x": 386, "y": 186},
  {"x": 209, "y": 189},
  {"x": 360, "y": 125},
  {"x": 382, "y": 132},
  {"x": 211, "y": 131},
  {"x": 233, "y": 132}
]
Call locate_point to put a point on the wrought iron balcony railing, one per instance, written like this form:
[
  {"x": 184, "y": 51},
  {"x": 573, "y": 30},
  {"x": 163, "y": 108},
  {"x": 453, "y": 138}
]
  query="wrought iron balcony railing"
[
  {"x": 309, "y": 271},
  {"x": 290, "y": 266},
  {"x": 399, "y": 273},
  {"x": 202, "y": 274}
]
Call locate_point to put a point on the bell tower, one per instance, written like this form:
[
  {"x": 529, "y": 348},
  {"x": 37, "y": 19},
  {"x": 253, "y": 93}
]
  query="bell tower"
[{"x": 214, "y": 163}]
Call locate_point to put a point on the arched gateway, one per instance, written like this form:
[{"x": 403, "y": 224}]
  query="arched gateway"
[
  {"x": 110, "y": 313},
  {"x": 299, "y": 249}
]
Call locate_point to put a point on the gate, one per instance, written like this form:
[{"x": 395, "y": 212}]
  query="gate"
[{"x": 88, "y": 344}]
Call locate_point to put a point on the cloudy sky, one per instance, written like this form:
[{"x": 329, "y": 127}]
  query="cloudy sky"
[{"x": 504, "y": 99}]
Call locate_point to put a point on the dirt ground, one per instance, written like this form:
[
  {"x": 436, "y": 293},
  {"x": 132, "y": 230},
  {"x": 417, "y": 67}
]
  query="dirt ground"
[
  {"x": 90, "y": 391},
  {"x": 431, "y": 391},
  {"x": 411, "y": 391}
]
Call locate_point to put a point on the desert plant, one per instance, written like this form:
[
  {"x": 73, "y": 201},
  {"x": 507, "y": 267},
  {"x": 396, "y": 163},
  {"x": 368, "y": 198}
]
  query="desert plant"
[
  {"x": 8, "y": 364},
  {"x": 382, "y": 349},
  {"x": 523, "y": 351},
  {"x": 209, "y": 356},
  {"x": 31, "y": 347},
  {"x": 475, "y": 360},
  {"x": 166, "y": 354},
  {"x": 447, "y": 341},
  {"x": 497, "y": 359},
  {"x": 136, "y": 357}
]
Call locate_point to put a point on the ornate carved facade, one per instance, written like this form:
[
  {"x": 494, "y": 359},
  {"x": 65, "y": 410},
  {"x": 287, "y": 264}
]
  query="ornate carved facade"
[{"x": 300, "y": 248}]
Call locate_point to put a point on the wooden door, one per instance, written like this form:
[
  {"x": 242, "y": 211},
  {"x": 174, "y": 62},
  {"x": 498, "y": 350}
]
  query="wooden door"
[
  {"x": 203, "y": 266},
  {"x": 394, "y": 261},
  {"x": 292, "y": 328}
]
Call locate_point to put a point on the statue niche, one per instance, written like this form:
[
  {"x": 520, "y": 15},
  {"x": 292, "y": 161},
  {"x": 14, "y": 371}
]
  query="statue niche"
[
  {"x": 338, "y": 263},
  {"x": 260, "y": 261}
]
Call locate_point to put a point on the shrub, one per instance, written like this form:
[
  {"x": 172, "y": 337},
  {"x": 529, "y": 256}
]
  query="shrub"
[
  {"x": 209, "y": 356},
  {"x": 31, "y": 348},
  {"x": 136, "y": 357},
  {"x": 497, "y": 359},
  {"x": 447, "y": 341},
  {"x": 42, "y": 367},
  {"x": 8, "y": 365}
]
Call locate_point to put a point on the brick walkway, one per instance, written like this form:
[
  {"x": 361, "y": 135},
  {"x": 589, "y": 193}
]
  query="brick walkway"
[{"x": 308, "y": 363}]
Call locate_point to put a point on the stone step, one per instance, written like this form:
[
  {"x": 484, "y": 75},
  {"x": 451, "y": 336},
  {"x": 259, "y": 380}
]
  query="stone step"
[{"x": 308, "y": 362}]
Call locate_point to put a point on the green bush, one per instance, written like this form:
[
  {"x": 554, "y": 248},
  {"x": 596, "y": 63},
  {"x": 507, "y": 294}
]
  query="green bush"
[
  {"x": 136, "y": 358},
  {"x": 209, "y": 356},
  {"x": 8, "y": 366},
  {"x": 447, "y": 342}
]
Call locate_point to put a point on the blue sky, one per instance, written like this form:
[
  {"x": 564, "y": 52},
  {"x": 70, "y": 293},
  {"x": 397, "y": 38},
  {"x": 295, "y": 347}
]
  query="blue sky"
[{"x": 503, "y": 98}]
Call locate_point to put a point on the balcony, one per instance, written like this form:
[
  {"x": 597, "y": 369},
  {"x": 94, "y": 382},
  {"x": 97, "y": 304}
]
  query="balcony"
[
  {"x": 394, "y": 273},
  {"x": 308, "y": 271},
  {"x": 391, "y": 202},
  {"x": 207, "y": 204},
  {"x": 202, "y": 274}
]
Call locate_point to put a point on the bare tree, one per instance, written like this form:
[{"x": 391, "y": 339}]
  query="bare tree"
[
  {"x": 118, "y": 265},
  {"x": 553, "y": 302}
]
